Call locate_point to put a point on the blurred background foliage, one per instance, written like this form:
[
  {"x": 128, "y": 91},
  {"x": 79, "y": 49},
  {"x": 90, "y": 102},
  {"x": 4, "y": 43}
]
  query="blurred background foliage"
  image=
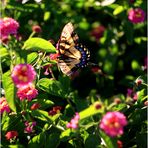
[{"x": 120, "y": 51}]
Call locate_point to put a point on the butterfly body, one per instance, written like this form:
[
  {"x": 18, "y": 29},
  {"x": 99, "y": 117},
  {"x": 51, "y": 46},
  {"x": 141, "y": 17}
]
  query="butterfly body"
[{"x": 73, "y": 55}]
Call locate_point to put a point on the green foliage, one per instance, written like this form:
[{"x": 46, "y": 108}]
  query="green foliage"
[{"x": 117, "y": 46}]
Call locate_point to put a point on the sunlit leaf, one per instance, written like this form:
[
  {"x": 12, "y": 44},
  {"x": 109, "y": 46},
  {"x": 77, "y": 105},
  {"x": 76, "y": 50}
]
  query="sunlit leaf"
[
  {"x": 39, "y": 44},
  {"x": 10, "y": 90}
]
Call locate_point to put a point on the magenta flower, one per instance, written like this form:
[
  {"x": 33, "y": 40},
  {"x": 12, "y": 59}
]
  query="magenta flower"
[
  {"x": 73, "y": 124},
  {"x": 112, "y": 123},
  {"x": 29, "y": 127},
  {"x": 27, "y": 92},
  {"x": 136, "y": 15},
  {"x": 4, "y": 105},
  {"x": 23, "y": 74},
  {"x": 11, "y": 134},
  {"x": 8, "y": 26}
]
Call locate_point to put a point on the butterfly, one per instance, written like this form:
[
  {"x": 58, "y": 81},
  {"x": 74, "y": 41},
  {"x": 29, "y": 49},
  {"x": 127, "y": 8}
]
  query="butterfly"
[{"x": 73, "y": 54}]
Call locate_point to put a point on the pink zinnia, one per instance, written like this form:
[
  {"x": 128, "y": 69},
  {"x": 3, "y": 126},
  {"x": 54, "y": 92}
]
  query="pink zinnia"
[
  {"x": 8, "y": 26},
  {"x": 112, "y": 123},
  {"x": 136, "y": 15},
  {"x": 4, "y": 105},
  {"x": 23, "y": 74},
  {"x": 27, "y": 92},
  {"x": 11, "y": 134},
  {"x": 73, "y": 124}
]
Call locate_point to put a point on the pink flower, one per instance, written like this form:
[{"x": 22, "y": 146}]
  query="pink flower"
[
  {"x": 11, "y": 134},
  {"x": 29, "y": 127},
  {"x": 23, "y": 74},
  {"x": 132, "y": 94},
  {"x": 136, "y": 15},
  {"x": 36, "y": 29},
  {"x": 35, "y": 106},
  {"x": 4, "y": 105},
  {"x": 55, "y": 110},
  {"x": 112, "y": 123},
  {"x": 8, "y": 26},
  {"x": 54, "y": 56},
  {"x": 73, "y": 124},
  {"x": 98, "y": 32},
  {"x": 27, "y": 92}
]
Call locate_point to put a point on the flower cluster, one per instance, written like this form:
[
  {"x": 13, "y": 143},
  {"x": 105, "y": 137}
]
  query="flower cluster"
[
  {"x": 11, "y": 135},
  {"x": 29, "y": 127},
  {"x": 27, "y": 92},
  {"x": 136, "y": 15},
  {"x": 4, "y": 105},
  {"x": 73, "y": 124},
  {"x": 8, "y": 26},
  {"x": 55, "y": 110},
  {"x": 23, "y": 74},
  {"x": 112, "y": 123}
]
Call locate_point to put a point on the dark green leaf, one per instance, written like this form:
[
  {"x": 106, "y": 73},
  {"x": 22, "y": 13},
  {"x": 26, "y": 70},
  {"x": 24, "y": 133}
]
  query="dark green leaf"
[{"x": 52, "y": 140}]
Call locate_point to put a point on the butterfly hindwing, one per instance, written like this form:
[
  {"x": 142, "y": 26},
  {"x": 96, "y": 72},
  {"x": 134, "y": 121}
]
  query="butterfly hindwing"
[{"x": 73, "y": 55}]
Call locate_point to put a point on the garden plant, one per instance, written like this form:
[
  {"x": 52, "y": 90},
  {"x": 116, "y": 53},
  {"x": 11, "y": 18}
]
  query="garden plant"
[{"x": 73, "y": 74}]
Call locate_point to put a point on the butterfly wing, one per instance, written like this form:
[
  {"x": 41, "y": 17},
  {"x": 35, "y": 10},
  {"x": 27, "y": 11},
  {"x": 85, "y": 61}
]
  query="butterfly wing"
[{"x": 72, "y": 54}]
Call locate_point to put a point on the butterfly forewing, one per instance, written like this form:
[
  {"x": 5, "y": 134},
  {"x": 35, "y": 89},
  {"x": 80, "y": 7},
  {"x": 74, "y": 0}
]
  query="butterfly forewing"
[{"x": 73, "y": 55}]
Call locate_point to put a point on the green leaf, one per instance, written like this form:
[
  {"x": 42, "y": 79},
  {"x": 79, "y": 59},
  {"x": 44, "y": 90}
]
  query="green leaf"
[
  {"x": 52, "y": 140},
  {"x": 92, "y": 140},
  {"x": 90, "y": 111},
  {"x": 118, "y": 10},
  {"x": 39, "y": 44},
  {"x": 15, "y": 146},
  {"x": 43, "y": 115},
  {"x": 65, "y": 134},
  {"x": 51, "y": 86},
  {"x": 110, "y": 142},
  {"x": 129, "y": 32},
  {"x": 37, "y": 141},
  {"x": 32, "y": 57},
  {"x": 10, "y": 90},
  {"x": 3, "y": 52}
]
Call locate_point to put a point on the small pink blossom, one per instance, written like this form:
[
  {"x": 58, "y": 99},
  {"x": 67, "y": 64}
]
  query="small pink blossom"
[
  {"x": 23, "y": 74},
  {"x": 98, "y": 32},
  {"x": 11, "y": 134},
  {"x": 136, "y": 15},
  {"x": 55, "y": 110},
  {"x": 54, "y": 56},
  {"x": 112, "y": 123},
  {"x": 29, "y": 127},
  {"x": 36, "y": 29},
  {"x": 131, "y": 93},
  {"x": 73, "y": 124},
  {"x": 8, "y": 26},
  {"x": 4, "y": 105},
  {"x": 35, "y": 106},
  {"x": 27, "y": 92}
]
